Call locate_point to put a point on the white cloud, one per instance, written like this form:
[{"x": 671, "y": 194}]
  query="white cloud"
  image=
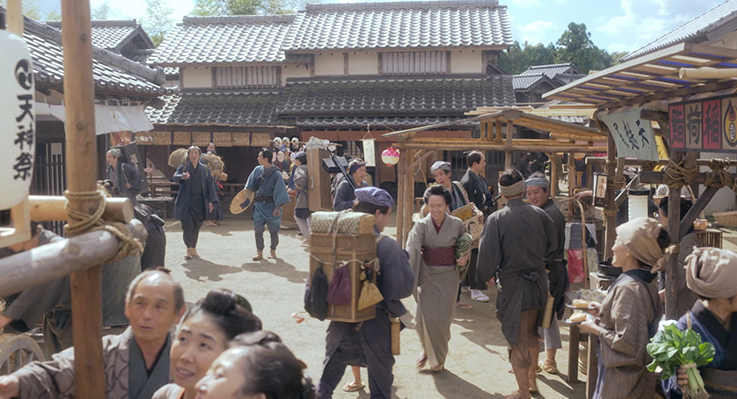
[
  {"x": 527, "y": 3},
  {"x": 534, "y": 32},
  {"x": 136, "y": 9},
  {"x": 643, "y": 21}
]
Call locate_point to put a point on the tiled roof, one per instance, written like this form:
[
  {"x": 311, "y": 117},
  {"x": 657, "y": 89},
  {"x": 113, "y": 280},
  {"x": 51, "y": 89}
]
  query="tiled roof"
[
  {"x": 377, "y": 96},
  {"x": 225, "y": 109},
  {"x": 217, "y": 40},
  {"x": 112, "y": 35},
  {"x": 376, "y": 123},
  {"x": 695, "y": 31},
  {"x": 524, "y": 82},
  {"x": 401, "y": 25},
  {"x": 111, "y": 72},
  {"x": 551, "y": 70}
]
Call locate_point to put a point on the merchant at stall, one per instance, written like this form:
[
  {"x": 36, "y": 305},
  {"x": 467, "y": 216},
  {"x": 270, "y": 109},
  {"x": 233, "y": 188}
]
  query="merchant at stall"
[{"x": 368, "y": 344}]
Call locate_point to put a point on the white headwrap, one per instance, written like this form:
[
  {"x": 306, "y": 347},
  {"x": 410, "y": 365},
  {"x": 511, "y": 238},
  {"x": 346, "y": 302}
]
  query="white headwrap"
[
  {"x": 712, "y": 273},
  {"x": 640, "y": 236},
  {"x": 513, "y": 189}
]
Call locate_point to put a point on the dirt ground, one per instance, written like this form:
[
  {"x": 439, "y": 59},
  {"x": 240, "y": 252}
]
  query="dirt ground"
[{"x": 476, "y": 367}]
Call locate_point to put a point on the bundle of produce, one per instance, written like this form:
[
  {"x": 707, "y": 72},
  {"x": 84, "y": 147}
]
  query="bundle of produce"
[
  {"x": 463, "y": 245},
  {"x": 216, "y": 165},
  {"x": 672, "y": 348},
  {"x": 178, "y": 157}
]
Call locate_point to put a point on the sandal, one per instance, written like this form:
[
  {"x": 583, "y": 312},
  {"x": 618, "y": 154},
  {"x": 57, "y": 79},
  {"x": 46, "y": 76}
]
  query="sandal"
[
  {"x": 533, "y": 386},
  {"x": 438, "y": 368},
  {"x": 463, "y": 305},
  {"x": 353, "y": 387},
  {"x": 549, "y": 367},
  {"x": 421, "y": 360}
]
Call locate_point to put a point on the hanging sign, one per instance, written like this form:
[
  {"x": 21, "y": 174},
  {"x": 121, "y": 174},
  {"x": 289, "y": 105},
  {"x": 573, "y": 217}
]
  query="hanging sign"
[
  {"x": 704, "y": 125},
  {"x": 369, "y": 151},
  {"x": 632, "y": 135},
  {"x": 17, "y": 118}
]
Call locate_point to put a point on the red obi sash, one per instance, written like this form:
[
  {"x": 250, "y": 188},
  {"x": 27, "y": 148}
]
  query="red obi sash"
[{"x": 439, "y": 256}]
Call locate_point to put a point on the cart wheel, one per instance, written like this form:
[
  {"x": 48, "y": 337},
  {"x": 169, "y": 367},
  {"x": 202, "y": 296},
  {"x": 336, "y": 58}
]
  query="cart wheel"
[{"x": 16, "y": 351}]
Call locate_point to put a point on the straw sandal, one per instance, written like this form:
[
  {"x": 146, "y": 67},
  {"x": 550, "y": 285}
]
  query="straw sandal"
[
  {"x": 421, "y": 360},
  {"x": 353, "y": 387},
  {"x": 549, "y": 367}
]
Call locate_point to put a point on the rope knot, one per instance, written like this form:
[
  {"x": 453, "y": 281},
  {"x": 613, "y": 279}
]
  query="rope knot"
[
  {"x": 719, "y": 176},
  {"x": 676, "y": 176}
]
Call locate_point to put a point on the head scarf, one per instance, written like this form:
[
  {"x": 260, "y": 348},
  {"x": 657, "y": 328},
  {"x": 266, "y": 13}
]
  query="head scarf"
[
  {"x": 115, "y": 152},
  {"x": 640, "y": 236},
  {"x": 440, "y": 165},
  {"x": 538, "y": 181},
  {"x": 354, "y": 165},
  {"x": 513, "y": 189},
  {"x": 712, "y": 273},
  {"x": 374, "y": 196}
]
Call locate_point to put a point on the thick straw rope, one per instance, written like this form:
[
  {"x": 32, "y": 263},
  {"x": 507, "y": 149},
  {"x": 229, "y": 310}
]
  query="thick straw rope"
[
  {"x": 719, "y": 176},
  {"x": 81, "y": 222},
  {"x": 676, "y": 176}
]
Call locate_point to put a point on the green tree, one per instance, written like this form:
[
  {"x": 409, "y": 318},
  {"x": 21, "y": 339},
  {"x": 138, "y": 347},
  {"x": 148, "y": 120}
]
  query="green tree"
[
  {"x": 158, "y": 20},
  {"x": 575, "y": 45},
  {"x": 206, "y": 8},
  {"x": 30, "y": 9},
  {"x": 101, "y": 12},
  {"x": 53, "y": 16},
  {"x": 518, "y": 58}
]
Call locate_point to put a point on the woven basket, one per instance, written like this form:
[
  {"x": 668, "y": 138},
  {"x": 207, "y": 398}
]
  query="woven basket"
[{"x": 728, "y": 219}]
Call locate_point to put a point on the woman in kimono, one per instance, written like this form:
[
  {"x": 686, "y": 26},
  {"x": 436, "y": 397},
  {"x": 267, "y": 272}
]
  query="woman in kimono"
[
  {"x": 345, "y": 195},
  {"x": 432, "y": 254},
  {"x": 257, "y": 365},
  {"x": 201, "y": 337},
  {"x": 712, "y": 274},
  {"x": 629, "y": 315},
  {"x": 298, "y": 186}
]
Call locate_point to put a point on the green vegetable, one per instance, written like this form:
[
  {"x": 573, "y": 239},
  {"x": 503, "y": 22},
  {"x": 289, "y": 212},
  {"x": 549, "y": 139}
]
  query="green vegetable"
[{"x": 672, "y": 348}]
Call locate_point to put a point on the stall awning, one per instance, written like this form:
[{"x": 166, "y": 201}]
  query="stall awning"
[{"x": 651, "y": 77}]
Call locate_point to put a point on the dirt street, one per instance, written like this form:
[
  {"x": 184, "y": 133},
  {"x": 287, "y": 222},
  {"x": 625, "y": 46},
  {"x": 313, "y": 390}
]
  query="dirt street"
[{"x": 477, "y": 365}]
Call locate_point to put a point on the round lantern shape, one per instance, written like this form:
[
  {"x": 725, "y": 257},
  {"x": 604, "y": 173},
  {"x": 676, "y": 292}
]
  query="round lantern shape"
[
  {"x": 390, "y": 156},
  {"x": 18, "y": 118}
]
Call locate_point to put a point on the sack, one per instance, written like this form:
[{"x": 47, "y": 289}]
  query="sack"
[
  {"x": 339, "y": 291},
  {"x": 316, "y": 297},
  {"x": 370, "y": 294}
]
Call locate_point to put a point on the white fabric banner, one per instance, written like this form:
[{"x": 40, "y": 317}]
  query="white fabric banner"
[{"x": 633, "y": 136}]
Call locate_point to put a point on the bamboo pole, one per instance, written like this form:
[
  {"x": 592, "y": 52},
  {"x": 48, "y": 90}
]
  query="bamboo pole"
[
  {"x": 571, "y": 174},
  {"x": 707, "y": 73},
  {"x": 553, "y": 174},
  {"x": 674, "y": 227},
  {"x": 58, "y": 259},
  {"x": 51, "y": 208},
  {"x": 86, "y": 286}
]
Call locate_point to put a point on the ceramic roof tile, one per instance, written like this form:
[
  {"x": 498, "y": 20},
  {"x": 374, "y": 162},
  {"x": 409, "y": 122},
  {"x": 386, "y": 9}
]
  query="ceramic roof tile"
[
  {"x": 551, "y": 70},
  {"x": 217, "y": 40},
  {"x": 425, "y": 96},
  {"x": 695, "y": 30},
  {"x": 401, "y": 25},
  {"x": 108, "y": 34},
  {"x": 229, "y": 109},
  {"x": 524, "y": 82},
  {"x": 376, "y": 123},
  {"x": 111, "y": 72}
]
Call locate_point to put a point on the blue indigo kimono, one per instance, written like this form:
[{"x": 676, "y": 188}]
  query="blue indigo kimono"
[{"x": 272, "y": 185}]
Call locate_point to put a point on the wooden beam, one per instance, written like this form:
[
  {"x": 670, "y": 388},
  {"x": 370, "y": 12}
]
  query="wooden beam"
[
  {"x": 401, "y": 179},
  {"x": 14, "y": 17},
  {"x": 657, "y": 177},
  {"x": 51, "y": 208},
  {"x": 639, "y": 162},
  {"x": 571, "y": 175},
  {"x": 419, "y": 160},
  {"x": 81, "y": 155},
  {"x": 674, "y": 227},
  {"x": 653, "y": 115},
  {"x": 695, "y": 211},
  {"x": 610, "y": 219},
  {"x": 28, "y": 269},
  {"x": 500, "y": 147},
  {"x": 409, "y": 199}
]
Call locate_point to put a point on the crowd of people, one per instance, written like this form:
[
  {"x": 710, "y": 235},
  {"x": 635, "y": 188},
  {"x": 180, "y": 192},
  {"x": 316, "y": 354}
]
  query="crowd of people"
[{"x": 218, "y": 348}]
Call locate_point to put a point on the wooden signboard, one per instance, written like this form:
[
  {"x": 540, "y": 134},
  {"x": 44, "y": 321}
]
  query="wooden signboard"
[{"x": 704, "y": 125}]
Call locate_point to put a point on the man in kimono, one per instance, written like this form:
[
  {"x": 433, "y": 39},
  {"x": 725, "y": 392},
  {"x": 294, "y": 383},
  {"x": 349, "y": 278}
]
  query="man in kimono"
[
  {"x": 711, "y": 273},
  {"x": 270, "y": 194},
  {"x": 125, "y": 177},
  {"x": 516, "y": 242},
  {"x": 52, "y": 299},
  {"x": 538, "y": 193},
  {"x": 136, "y": 362},
  {"x": 368, "y": 344},
  {"x": 475, "y": 184}
]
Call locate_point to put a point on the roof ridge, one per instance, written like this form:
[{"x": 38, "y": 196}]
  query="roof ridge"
[
  {"x": 100, "y": 22},
  {"x": 136, "y": 68},
  {"x": 403, "y": 5},
  {"x": 238, "y": 19},
  {"x": 551, "y": 65}
]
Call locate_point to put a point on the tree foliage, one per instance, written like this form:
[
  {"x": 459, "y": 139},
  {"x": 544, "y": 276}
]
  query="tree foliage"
[
  {"x": 101, "y": 12},
  {"x": 206, "y": 8},
  {"x": 574, "y": 45},
  {"x": 158, "y": 20}
]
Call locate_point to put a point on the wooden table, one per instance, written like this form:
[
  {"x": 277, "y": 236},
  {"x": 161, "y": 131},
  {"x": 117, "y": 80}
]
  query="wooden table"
[{"x": 575, "y": 336}]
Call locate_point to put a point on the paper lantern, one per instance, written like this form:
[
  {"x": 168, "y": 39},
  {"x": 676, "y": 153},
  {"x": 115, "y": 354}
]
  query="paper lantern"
[
  {"x": 637, "y": 203},
  {"x": 18, "y": 119},
  {"x": 390, "y": 156}
]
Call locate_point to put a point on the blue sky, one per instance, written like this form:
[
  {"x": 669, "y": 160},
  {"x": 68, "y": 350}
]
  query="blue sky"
[{"x": 615, "y": 25}]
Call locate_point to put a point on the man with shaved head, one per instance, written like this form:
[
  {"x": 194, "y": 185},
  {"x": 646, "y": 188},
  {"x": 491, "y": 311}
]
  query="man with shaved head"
[{"x": 136, "y": 362}]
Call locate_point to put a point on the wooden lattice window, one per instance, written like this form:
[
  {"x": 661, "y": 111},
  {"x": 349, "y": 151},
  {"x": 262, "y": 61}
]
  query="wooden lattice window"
[
  {"x": 246, "y": 77},
  {"x": 415, "y": 63}
]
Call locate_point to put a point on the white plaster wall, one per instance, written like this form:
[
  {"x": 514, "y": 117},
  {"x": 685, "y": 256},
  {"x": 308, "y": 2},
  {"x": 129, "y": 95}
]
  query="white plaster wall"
[
  {"x": 466, "y": 61},
  {"x": 329, "y": 63},
  {"x": 724, "y": 199},
  {"x": 196, "y": 77},
  {"x": 729, "y": 41},
  {"x": 363, "y": 63},
  {"x": 294, "y": 71}
]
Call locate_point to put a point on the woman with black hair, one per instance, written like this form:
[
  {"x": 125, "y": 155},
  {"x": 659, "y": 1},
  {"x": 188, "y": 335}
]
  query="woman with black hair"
[
  {"x": 202, "y": 336},
  {"x": 257, "y": 366},
  {"x": 629, "y": 315},
  {"x": 345, "y": 195},
  {"x": 432, "y": 254}
]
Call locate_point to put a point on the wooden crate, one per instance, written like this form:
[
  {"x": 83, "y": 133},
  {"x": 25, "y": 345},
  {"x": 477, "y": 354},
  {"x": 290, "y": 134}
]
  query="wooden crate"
[
  {"x": 710, "y": 238},
  {"x": 182, "y": 138},
  {"x": 318, "y": 187},
  {"x": 350, "y": 247}
]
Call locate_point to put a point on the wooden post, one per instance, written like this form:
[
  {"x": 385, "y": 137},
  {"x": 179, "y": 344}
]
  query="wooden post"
[
  {"x": 14, "y": 17},
  {"x": 409, "y": 196},
  {"x": 554, "y": 174},
  {"x": 401, "y": 179},
  {"x": 81, "y": 155},
  {"x": 571, "y": 174},
  {"x": 610, "y": 220},
  {"x": 674, "y": 227}
]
